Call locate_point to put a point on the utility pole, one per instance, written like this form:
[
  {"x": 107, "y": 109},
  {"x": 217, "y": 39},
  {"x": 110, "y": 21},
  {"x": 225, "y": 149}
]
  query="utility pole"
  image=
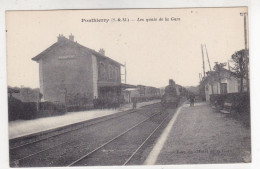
[
  {"x": 246, "y": 49},
  {"x": 66, "y": 99},
  {"x": 203, "y": 60},
  {"x": 124, "y": 80},
  {"x": 207, "y": 56},
  {"x": 200, "y": 77},
  {"x": 125, "y": 73},
  {"x": 212, "y": 91}
]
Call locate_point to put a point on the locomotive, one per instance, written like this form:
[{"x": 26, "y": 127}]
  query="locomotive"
[{"x": 170, "y": 99}]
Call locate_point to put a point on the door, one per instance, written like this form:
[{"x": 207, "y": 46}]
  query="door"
[{"x": 223, "y": 88}]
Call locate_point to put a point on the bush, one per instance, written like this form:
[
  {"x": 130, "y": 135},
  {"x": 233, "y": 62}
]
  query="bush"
[
  {"x": 20, "y": 110},
  {"x": 240, "y": 101},
  {"x": 14, "y": 107},
  {"x": 28, "y": 110}
]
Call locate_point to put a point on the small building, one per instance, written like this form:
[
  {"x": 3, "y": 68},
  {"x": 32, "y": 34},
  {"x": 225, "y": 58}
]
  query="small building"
[
  {"x": 143, "y": 93},
  {"x": 70, "y": 71},
  {"x": 130, "y": 93},
  {"x": 222, "y": 82}
]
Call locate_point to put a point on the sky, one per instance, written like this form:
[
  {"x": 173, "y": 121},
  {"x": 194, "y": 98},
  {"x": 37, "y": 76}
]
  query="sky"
[{"x": 153, "y": 51}]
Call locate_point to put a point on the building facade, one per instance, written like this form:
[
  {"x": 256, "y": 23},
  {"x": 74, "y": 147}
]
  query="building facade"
[
  {"x": 69, "y": 70},
  {"x": 222, "y": 83}
]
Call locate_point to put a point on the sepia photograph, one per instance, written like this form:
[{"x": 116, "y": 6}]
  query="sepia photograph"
[{"x": 127, "y": 87}]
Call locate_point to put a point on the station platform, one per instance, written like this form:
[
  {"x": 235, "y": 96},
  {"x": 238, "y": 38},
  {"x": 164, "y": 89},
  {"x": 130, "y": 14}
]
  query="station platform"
[
  {"x": 21, "y": 128},
  {"x": 201, "y": 135}
]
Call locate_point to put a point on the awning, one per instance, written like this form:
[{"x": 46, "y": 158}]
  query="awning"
[
  {"x": 126, "y": 86},
  {"x": 114, "y": 84},
  {"x": 108, "y": 84}
]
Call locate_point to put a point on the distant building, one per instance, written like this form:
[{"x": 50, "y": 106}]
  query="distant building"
[
  {"x": 24, "y": 94},
  {"x": 151, "y": 91},
  {"x": 221, "y": 82},
  {"x": 68, "y": 70},
  {"x": 142, "y": 92},
  {"x": 130, "y": 93},
  {"x": 141, "y": 89},
  {"x": 148, "y": 91}
]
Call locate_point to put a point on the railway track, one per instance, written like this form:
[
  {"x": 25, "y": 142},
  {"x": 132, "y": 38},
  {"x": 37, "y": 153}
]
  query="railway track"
[
  {"x": 34, "y": 138},
  {"x": 16, "y": 161},
  {"x": 123, "y": 159}
]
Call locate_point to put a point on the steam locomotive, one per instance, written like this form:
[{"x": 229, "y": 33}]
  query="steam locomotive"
[{"x": 170, "y": 99}]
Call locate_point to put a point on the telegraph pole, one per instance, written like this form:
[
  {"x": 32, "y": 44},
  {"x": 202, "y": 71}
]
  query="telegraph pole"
[
  {"x": 200, "y": 77},
  {"x": 246, "y": 49},
  {"x": 125, "y": 73},
  {"x": 203, "y": 60},
  {"x": 207, "y": 56}
]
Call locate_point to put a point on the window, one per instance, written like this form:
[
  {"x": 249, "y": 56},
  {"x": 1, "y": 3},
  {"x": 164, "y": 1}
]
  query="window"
[
  {"x": 115, "y": 73},
  {"x": 110, "y": 71},
  {"x": 102, "y": 73},
  {"x": 118, "y": 73}
]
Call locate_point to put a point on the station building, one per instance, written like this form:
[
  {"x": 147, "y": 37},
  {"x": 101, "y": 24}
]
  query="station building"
[
  {"x": 222, "y": 82},
  {"x": 69, "y": 70}
]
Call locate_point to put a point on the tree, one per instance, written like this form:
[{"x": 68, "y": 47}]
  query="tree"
[
  {"x": 240, "y": 60},
  {"x": 219, "y": 66},
  {"x": 216, "y": 74}
]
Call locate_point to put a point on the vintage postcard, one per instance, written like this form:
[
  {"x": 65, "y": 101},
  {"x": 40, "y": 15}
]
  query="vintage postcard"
[{"x": 128, "y": 87}]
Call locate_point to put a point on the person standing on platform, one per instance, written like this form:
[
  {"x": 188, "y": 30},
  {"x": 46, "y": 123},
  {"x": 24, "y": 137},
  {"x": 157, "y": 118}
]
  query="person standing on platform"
[
  {"x": 95, "y": 102},
  {"x": 134, "y": 103},
  {"x": 192, "y": 100}
]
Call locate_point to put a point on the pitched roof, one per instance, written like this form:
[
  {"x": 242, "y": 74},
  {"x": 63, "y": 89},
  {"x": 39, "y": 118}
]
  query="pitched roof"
[
  {"x": 213, "y": 74},
  {"x": 70, "y": 42},
  {"x": 228, "y": 71}
]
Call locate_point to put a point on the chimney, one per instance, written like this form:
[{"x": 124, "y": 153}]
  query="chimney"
[
  {"x": 61, "y": 37},
  {"x": 102, "y": 51},
  {"x": 71, "y": 37}
]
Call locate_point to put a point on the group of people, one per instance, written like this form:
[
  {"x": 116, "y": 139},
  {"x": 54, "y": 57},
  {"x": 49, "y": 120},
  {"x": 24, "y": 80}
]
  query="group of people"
[
  {"x": 107, "y": 103},
  {"x": 111, "y": 103}
]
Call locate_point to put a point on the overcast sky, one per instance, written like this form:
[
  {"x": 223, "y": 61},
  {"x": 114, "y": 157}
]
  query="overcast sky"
[{"x": 153, "y": 51}]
